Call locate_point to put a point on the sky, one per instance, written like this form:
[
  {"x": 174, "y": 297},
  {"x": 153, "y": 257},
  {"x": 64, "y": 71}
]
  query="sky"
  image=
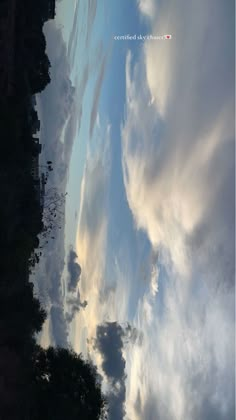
[{"x": 142, "y": 280}]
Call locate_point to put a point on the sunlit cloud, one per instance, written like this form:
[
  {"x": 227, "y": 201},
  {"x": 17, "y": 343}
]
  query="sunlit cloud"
[
  {"x": 92, "y": 231},
  {"x": 178, "y": 168}
]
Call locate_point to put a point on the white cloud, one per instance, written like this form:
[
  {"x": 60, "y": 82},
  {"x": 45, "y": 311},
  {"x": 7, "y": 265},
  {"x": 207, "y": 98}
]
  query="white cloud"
[
  {"x": 170, "y": 148},
  {"x": 147, "y": 7},
  {"x": 187, "y": 356},
  {"x": 154, "y": 280},
  {"x": 178, "y": 167}
]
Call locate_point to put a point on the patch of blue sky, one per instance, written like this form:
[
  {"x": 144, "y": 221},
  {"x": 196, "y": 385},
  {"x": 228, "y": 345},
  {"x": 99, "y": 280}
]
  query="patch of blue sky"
[{"x": 82, "y": 63}]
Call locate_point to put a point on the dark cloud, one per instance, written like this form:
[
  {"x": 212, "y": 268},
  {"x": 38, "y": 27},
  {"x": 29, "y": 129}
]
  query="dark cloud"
[
  {"x": 74, "y": 303},
  {"x": 116, "y": 400},
  {"x": 59, "y": 331},
  {"x": 110, "y": 340},
  {"x": 74, "y": 270},
  {"x": 133, "y": 335},
  {"x": 74, "y": 306}
]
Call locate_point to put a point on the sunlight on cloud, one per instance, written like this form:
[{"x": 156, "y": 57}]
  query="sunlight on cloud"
[
  {"x": 154, "y": 280},
  {"x": 147, "y": 7},
  {"x": 159, "y": 57},
  {"x": 102, "y": 295},
  {"x": 178, "y": 169},
  {"x": 168, "y": 161},
  {"x": 91, "y": 234}
]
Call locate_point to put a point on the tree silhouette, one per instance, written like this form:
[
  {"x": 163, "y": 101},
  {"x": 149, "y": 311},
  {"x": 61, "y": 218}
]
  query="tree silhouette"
[
  {"x": 53, "y": 213},
  {"x": 64, "y": 386}
]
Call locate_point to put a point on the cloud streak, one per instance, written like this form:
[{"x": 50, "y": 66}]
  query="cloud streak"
[
  {"x": 92, "y": 234},
  {"x": 97, "y": 92},
  {"x": 74, "y": 270}
]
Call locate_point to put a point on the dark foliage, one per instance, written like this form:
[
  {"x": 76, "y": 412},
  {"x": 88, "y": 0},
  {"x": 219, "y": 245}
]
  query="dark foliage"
[
  {"x": 64, "y": 386},
  {"x": 26, "y": 392}
]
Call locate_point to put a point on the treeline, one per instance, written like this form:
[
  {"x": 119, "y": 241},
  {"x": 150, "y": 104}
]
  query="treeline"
[
  {"x": 34, "y": 383},
  {"x": 32, "y": 63}
]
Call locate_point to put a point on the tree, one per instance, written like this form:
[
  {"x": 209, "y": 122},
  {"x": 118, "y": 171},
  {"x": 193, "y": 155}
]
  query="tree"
[
  {"x": 64, "y": 386},
  {"x": 53, "y": 211}
]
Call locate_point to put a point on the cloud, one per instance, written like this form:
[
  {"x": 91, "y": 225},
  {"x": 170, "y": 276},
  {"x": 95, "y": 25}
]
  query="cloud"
[
  {"x": 97, "y": 92},
  {"x": 74, "y": 305},
  {"x": 174, "y": 157},
  {"x": 59, "y": 93},
  {"x": 132, "y": 335},
  {"x": 192, "y": 361},
  {"x": 116, "y": 400},
  {"x": 106, "y": 292},
  {"x": 138, "y": 404},
  {"x": 93, "y": 201},
  {"x": 60, "y": 106},
  {"x": 92, "y": 10},
  {"x": 91, "y": 239},
  {"x": 73, "y": 302},
  {"x": 74, "y": 270},
  {"x": 147, "y": 7},
  {"x": 59, "y": 332},
  {"x": 178, "y": 168},
  {"x": 74, "y": 34},
  {"x": 81, "y": 30},
  {"x": 109, "y": 342},
  {"x": 60, "y": 115}
]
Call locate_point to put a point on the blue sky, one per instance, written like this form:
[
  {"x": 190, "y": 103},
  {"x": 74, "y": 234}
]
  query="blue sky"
[{"x": 150, "y": 209}]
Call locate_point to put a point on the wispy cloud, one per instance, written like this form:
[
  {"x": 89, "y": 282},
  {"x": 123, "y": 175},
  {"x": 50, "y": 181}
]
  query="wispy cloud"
[
  {"x": 92, "y": 230},
  {"x": 81, "y": 29},
  {"x": 97, "y": 92}
]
